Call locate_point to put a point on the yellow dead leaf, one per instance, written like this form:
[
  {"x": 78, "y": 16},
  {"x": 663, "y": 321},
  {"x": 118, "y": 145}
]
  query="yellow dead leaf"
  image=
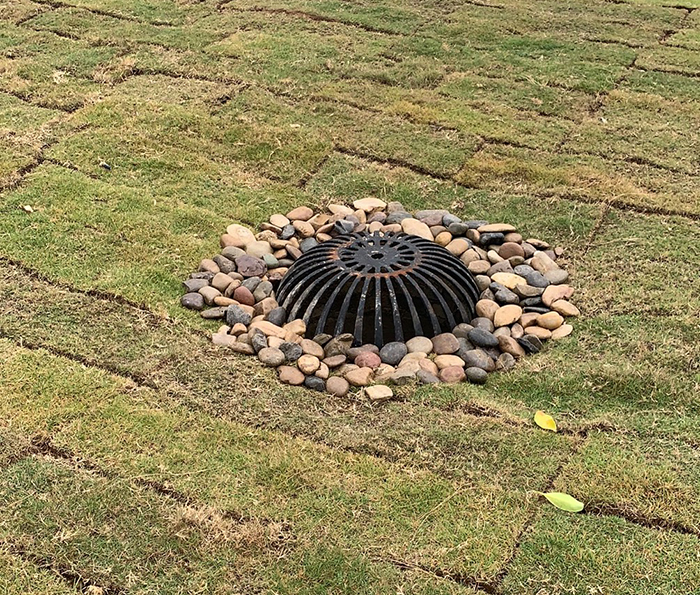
[{"x": 546, "y": 422}]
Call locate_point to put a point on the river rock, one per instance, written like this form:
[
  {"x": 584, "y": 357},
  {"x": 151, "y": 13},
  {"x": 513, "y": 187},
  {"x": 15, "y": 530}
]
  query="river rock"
[
  {"x": 235, "y": 314},
  {"x": 452, "y": 374},
  {"x": 419, "y": 345},
  {"x": 193, "y": 301},
  {"x": 392, "y": 353},
  {"x": 476, "y": 375},
  {"x": 479, "y": 359},
  {"x": 563, "y": 331},
  {"x": 507, "y": 315},
  {"x": 556, "y": 292},
  {"x": 359, "y": 376},
  {"x": 271, "y": 356},
  {"x": 550, "y": 321},
  {"x": 290, "y": 375},
  {"x": 445, "y": 343},
  {"x": 300, "y": 214},
  {"x": 482, "y": 338},
  {"x": 308, "y": 364},
  {"x": 565, "y": 308},
  {"x": 250, "y": 266},
  {"x": 416, "y": 228},
  {"x": 315, "y": 383},
  {"x": 367, "y": 359},
  {"x": 510, "y": 345},
  {"x": 379, "y": 393}
]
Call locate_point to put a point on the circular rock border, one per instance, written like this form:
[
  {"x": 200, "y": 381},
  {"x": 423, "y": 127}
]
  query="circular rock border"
[{"x": 524, "y": 300}]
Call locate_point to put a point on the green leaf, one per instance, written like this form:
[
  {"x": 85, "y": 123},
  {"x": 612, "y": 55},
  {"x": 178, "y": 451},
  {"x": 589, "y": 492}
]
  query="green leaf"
[
  {"x": 563, "y": 501},
  {"x": 546, "y": 422}
]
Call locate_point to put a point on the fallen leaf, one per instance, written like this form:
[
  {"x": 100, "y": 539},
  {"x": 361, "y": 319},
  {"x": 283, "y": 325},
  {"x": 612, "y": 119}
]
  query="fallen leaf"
[
  {"x": 563, "y": 501},
  {"x": 546, "y": 422}
]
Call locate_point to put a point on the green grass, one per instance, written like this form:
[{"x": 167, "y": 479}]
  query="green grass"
[{"x": 177, "y": 467}]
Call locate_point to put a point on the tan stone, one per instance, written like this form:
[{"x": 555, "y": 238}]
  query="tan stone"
[
  {"x": 494, "y": 257},
  {"x": 265, "y": 306},
  {"x": 479, "y": 267},
  {"x": 369, "y": 204},
  {"x": 341, "y": 210},
  {"x": 298, "y": 326},
  {"x": 444, "y": 361},
  {"x": 543, "y": 263},
  {"x": 470, "y": 255},
  {"x": 223, "y": 339},
  {"x": 209, "y": 293},
  {"x": 304, "y": 228},
  {"x": 419, "y": 344},
  {"x": 247, "y": 309},
  {"x": 551, "y": 320},
  {"x": 539, "y": 332},
  {"x": 258, "y": 248},
  {"x": 323, "y": 371},
  {"x": 209, "y": 265},
  {"x": 238, "y": 329},
  {"x": 220, "y": 300},
  {"x": 565, "y": 308},
  {"x": 486, "y": 308},
  {"x": 412, "y": 357},
  {"x": 308, "y": 364},
  {"x": 452, "y": 374},
  {"x": 227, "y": 240},
  {"x": 319, "y": 220},
  {"x": 509, "y": 280},
  {"x": 428, "y": 366},
  {"x": 335, "y": 360},
  {"x": 528, "y": 319},
  {"x": 300, "y": 214},
  {"x": 384, "y": 372},
  {"x": 510, "y": 345},
  {"x": 266, "y": 236},
  {"x": 270, "y": 330},
  {"x": 379, "y": 393},
  {"x": 411, "y": 366},
  {"x": 507, "y": 315},
  {"x": 458, "y": 246},
  {"x": 242, "y": 233},
  {"x": 554, "y": 293},
  {"x": 243, "y": 348},
  {"x": 496, "y": 228},
  {"x": 416, "y": 228},
  {"x": 563, "y": 331},
  {"x": 312, "y": 348},
  {"x": 359, "y": 376},
  {"x": 290, "y": 375},
  {"x": 274, "y": 341},
  {"x": 510, "y": 249},
  {"x": 337, "y": 386},
  {"x": 279, "y": 220},
  {"x": 221, "y": 281},
  {"x": 443, "y": 238}
]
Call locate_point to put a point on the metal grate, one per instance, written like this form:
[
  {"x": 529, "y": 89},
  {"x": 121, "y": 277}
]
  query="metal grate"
[{"x": 380, "y": 288}]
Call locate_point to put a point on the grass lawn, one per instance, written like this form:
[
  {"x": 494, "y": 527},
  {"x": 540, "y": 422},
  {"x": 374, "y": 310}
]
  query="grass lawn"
[{"x": 137, "y": 458}]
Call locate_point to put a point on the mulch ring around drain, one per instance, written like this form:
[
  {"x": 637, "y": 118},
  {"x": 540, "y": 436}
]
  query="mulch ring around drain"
[{"x": 523, "y": 300}]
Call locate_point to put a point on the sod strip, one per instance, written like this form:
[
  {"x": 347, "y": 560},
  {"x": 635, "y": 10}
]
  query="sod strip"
[{"x": 353, "y": 502}]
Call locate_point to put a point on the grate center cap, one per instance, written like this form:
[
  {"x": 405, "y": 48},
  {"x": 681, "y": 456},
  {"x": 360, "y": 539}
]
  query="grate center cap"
[{"x": 375, "y": 255}]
